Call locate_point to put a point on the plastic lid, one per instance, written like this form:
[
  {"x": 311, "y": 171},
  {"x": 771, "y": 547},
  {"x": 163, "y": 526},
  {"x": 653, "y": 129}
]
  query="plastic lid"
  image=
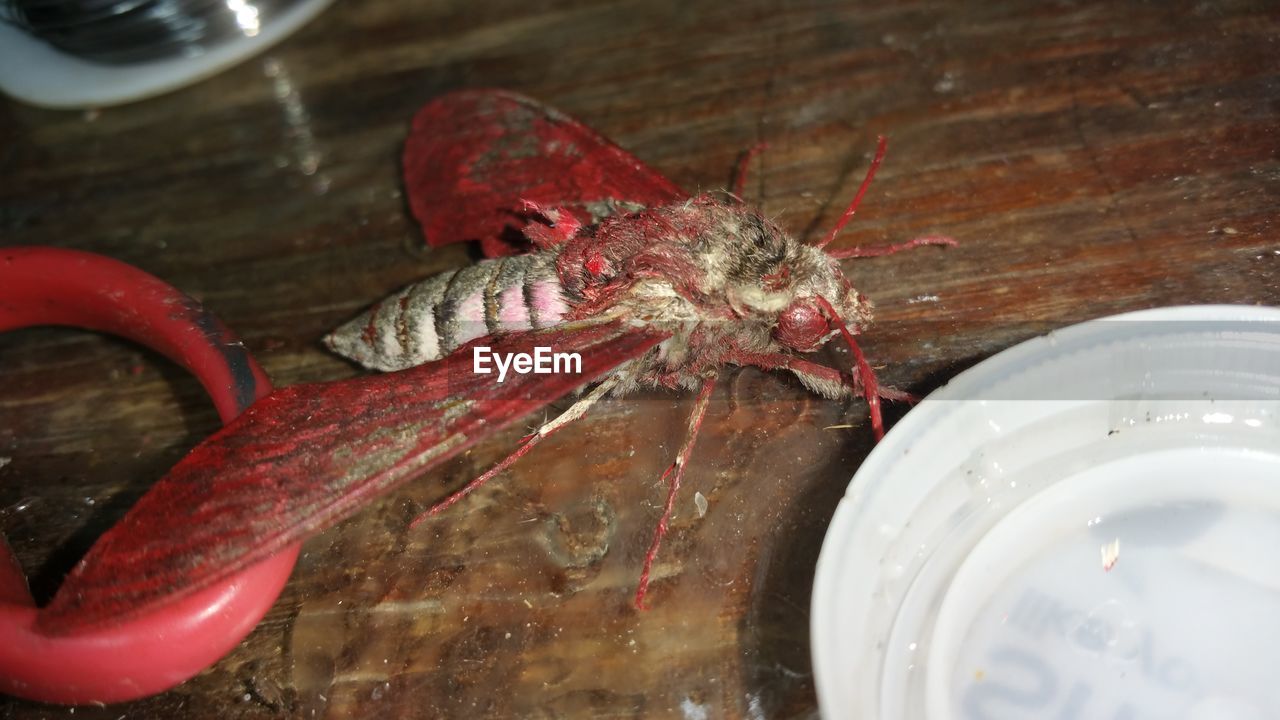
[{"x": 1083, "y": 526}]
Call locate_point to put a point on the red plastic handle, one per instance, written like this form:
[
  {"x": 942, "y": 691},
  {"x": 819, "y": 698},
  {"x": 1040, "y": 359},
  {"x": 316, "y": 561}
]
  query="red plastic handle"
[{"x": 165, "y": 646}]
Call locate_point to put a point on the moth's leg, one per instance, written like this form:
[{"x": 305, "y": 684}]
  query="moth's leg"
[
  {"x": 861, "y": 252},
  {"x": 673, "y": 476},
  {"x": 823, "y": 380},
  {"x": 575, "y": 411},
  {"x": 744, "y": 163},
  {"x": 830, "y": 382}
]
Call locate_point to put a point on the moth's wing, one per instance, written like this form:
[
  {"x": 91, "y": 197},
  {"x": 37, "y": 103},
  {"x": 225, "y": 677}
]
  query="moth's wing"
[
  {"x": 473, "y": 157},
  {"x": 308, "y": 456}
]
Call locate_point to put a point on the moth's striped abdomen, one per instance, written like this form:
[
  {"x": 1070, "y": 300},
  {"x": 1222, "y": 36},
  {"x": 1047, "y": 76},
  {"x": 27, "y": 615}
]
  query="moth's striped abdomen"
[{"x": 427, "y": 320}]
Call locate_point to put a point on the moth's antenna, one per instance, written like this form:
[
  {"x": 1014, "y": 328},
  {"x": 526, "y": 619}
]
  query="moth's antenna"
[
  {"x": 881, "y": 147},
  {"x": 870, "y": 387}
]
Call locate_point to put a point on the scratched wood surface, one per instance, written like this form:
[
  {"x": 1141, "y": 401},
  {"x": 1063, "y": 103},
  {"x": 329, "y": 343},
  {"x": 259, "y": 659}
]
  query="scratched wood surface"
[{"x": 1092, "y": 157}]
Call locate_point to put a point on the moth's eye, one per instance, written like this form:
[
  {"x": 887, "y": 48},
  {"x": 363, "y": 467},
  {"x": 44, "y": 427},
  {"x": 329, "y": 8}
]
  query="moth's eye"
[{"x": 802, "y": 326}]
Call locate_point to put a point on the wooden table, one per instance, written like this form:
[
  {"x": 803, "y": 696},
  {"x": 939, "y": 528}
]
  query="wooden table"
[{"x": 1092, "y": 157}]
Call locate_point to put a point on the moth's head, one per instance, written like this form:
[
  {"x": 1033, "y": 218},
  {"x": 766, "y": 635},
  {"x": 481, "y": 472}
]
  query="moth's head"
[
  {"x": 773, "y": 279},
  {"x": 810, "y": 319}
]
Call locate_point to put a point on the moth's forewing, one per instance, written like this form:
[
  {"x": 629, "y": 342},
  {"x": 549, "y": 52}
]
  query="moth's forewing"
[{"x": 308, "y": 456}]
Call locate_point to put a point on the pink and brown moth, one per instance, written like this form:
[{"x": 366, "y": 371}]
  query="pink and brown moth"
[
  {"x": 580, "y": 233},
  {"x": 591, "y": 252}
]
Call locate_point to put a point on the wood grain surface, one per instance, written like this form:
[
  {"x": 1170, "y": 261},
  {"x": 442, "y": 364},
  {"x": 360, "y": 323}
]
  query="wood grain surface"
[{"x": 1091, "y": 157}]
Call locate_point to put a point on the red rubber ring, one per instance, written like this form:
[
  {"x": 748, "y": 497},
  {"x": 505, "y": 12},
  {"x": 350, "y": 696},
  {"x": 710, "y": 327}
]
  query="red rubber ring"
[{"x": 152, "y": 652}]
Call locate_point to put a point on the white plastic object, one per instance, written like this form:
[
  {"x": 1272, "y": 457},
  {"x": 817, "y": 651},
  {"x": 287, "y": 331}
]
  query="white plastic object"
[
  {"x": 1085, "y": 526},
  {"x": 39, "y": 74}
]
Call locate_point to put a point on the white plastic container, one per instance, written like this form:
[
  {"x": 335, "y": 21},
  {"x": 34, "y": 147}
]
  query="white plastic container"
[{"x": 1085, "y": 526}]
